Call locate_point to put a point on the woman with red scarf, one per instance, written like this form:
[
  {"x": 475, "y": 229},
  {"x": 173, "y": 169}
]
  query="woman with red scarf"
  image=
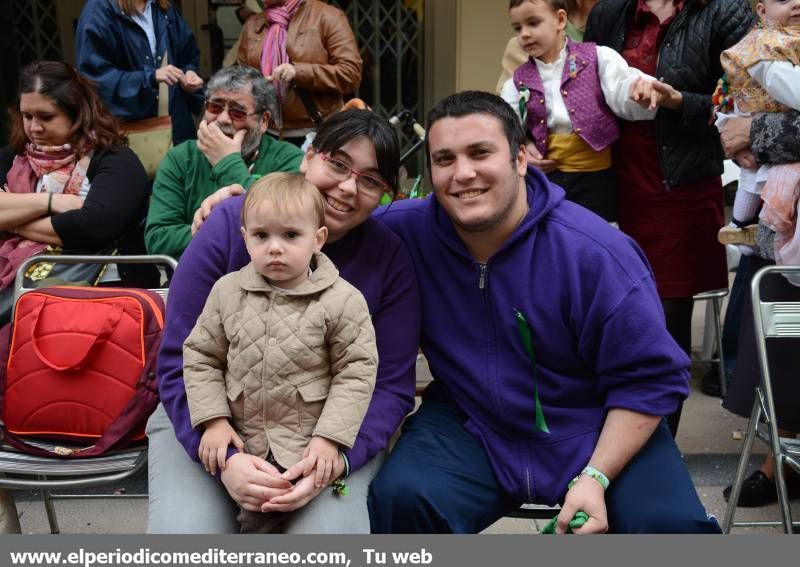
[
  {"x": 73, "y": 186},
  {"x": 307, "y": 49}
]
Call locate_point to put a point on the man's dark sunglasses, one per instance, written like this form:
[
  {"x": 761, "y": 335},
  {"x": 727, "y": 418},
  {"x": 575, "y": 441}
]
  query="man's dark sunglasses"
[{"x": 236, "y": 113}]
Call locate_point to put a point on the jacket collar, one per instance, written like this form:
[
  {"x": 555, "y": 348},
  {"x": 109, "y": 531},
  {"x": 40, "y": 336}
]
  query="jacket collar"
[
  {"x": 323, "y": 276},
  {"x": 542, "y": 196}
]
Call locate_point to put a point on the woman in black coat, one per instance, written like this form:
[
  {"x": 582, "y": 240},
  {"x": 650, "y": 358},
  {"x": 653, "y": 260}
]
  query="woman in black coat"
[{"x": 668, "y": 169}]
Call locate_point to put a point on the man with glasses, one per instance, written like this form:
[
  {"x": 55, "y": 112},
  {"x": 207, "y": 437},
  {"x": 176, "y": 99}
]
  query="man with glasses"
[{"x": 231, "y": 151}]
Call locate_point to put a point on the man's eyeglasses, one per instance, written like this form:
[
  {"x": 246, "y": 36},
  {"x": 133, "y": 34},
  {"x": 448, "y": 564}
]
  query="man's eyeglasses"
[
  {"x": 366, "y": 182},
  {"x": 235, "y": 112}
]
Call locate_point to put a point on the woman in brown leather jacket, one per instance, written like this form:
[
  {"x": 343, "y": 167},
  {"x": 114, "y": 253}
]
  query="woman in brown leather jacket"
[{"x": 303, "y": 45}]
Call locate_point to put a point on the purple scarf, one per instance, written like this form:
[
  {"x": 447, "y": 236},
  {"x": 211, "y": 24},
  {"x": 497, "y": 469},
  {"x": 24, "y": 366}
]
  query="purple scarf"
[{"x": 274, "y": 51}]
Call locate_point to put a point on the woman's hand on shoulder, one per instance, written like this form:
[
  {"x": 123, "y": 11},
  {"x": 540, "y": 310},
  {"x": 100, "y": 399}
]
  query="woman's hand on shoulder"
[
  {"x": 63, "y": 202},
  {"x": 251, "y": 481},
  {"x": 212, "y": 201}
]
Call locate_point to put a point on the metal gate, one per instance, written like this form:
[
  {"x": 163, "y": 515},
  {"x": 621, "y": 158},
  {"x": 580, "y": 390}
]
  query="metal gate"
[
  {"x": 36, "y": 32},
  {"x": 390, "y": 35}
]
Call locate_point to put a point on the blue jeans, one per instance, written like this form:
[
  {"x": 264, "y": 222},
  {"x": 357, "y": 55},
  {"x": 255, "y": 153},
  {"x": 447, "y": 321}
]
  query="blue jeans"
[{"x": 438, "y": 480}]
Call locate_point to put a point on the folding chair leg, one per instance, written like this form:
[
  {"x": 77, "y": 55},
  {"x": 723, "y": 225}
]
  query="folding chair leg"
[
  {"x": 723, "y": 382},
  {"x": 744, "y": 457},
  {"x": 52, "y": 519},
  {"x": 9, "y": 519},
  {"x": 783, "y": 496}
]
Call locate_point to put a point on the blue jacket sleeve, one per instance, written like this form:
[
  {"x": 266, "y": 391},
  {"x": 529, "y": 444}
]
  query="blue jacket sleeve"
[{"x": 187, "y": 58}]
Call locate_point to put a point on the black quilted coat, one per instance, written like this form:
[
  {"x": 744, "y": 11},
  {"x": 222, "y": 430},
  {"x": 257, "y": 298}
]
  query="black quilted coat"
[{"x": 688, "y": 145}]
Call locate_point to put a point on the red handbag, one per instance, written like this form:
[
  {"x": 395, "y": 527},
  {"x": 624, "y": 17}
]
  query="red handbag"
[{"x": 80, "y": 369}]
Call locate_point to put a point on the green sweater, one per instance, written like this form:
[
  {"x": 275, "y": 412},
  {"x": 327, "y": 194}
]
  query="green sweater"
[{"x": 185, "y": 178}]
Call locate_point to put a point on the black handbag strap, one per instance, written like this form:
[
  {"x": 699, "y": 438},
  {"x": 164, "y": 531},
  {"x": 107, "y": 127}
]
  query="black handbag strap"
[{"x": 311, "y": 107}]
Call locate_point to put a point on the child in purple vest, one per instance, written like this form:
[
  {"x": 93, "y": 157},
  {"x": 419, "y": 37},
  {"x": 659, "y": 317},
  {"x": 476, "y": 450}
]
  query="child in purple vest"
[{"x": 569, "y": 96}]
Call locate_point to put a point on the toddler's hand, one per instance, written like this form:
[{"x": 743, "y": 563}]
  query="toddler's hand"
[
  {"x": 218, "y": 435},
  {"x": 642, "y": 92},
  {"x": 321, "y": 454},
  {"x": 535, "y": 159}
]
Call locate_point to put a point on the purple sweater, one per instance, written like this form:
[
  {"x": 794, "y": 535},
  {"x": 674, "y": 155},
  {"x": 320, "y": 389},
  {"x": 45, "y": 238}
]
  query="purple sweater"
[
  {"x": 370, "y": 257},
  {"x": 598, "y": 334}
]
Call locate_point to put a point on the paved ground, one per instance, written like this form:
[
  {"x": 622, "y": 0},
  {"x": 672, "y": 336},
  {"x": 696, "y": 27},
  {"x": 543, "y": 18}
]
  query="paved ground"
[{"x": 706, "y": 438}]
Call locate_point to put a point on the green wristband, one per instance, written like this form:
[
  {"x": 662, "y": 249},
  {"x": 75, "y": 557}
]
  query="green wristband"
[{"x": 595, "y": 474}]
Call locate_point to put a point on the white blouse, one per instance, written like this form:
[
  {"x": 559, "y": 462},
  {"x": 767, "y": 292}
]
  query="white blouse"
[{"x": 616, "y": 77}]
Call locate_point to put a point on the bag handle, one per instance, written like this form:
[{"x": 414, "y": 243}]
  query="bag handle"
[{"x": 109, "y": 325}]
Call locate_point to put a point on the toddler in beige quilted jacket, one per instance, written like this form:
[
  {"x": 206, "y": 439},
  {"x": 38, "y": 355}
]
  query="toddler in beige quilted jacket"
[{"x": 282, "y": 361}]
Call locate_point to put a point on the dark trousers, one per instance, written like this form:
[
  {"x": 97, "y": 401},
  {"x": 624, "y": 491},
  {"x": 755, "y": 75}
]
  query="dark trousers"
[{"x": 438, "y": 480}]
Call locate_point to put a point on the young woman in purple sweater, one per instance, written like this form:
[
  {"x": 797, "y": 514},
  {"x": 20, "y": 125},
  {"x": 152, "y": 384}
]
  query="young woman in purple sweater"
[{"x": 354, "y": 153}]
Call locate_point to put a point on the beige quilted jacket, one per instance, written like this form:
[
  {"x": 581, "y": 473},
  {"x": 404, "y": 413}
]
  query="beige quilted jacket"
[{"x": 283, "y": 365}]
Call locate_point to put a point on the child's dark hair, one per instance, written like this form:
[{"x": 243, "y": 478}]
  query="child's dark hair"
[
  {"x": 344, "y": 126},
  {"x": 466, "y": 103},
  {"x": 554, "y": 4}
]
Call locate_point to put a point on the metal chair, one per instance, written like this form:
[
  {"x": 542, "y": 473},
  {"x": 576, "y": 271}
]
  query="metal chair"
[
  {"x": 775, "y": 320},
  {"x": 19, "y": 471},
  {"x": 714, "y": 298}
]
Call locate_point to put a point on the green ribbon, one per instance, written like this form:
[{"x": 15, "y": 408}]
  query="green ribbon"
[
  {"x": 414, "y": 192},
  {"x": 576, "y": 522},
  {"x": 525, "y": 334},
  {"x": 524, "y": 95}
]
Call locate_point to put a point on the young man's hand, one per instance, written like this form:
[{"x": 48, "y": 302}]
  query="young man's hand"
[{"x": 218, "y": 435}]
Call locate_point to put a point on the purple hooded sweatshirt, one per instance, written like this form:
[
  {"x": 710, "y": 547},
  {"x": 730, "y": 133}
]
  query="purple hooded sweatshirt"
[
  {"x": 598, "y": 334},
  {"x": 370, "y": 257}
]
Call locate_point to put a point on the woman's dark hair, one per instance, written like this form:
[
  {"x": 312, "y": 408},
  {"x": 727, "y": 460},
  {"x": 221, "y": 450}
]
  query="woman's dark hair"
[
  {"x": 76, "y": 97},
  {"x": 342, "y": 127},
  {"x": 128, "y": 7}
]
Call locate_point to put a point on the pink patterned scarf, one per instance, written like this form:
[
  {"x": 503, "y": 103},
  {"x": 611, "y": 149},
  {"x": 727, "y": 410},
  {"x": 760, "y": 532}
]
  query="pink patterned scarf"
[
  {"x": 274, "y": 51},
  {"x": 61, "y": 172}
]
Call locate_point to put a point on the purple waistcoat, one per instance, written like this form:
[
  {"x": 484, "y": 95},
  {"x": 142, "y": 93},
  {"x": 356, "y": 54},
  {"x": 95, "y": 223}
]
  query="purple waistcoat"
[{"x": 591, "y": 117}]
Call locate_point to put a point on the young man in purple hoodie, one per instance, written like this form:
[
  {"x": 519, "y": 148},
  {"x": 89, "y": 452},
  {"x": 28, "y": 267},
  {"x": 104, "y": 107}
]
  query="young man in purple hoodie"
[{"x": 552, "y": 365}]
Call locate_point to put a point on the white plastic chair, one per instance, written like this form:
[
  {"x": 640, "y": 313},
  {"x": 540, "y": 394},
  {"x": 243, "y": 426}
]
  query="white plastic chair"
[
  {"x": 19, "y": 471},
  {"x": 775, "y": 320}
]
